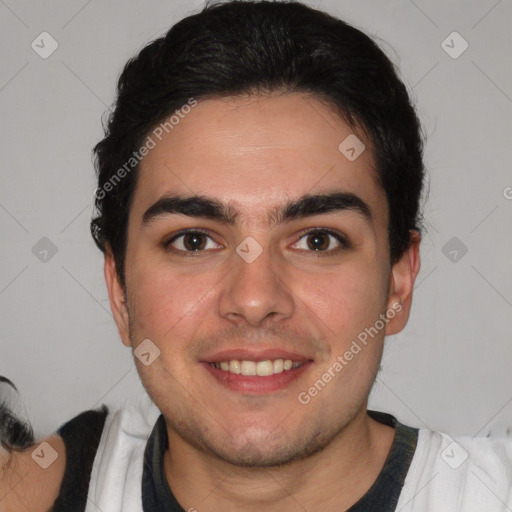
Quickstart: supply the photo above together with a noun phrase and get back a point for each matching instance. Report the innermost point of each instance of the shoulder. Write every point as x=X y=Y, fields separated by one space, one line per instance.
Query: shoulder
x=467 y=473
x=116 y=475
x=52 y=473
x=465 y=455
x=30 y=472
x=94 y=447
x=82 y=433
x=126 y=431
x=81 y=436
x=30 y=478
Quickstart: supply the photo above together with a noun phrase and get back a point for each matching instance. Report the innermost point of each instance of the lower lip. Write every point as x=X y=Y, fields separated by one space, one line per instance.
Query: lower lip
x=254 y=384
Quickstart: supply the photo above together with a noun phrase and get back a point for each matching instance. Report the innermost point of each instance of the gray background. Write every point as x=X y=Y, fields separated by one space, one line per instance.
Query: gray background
x=449 y=370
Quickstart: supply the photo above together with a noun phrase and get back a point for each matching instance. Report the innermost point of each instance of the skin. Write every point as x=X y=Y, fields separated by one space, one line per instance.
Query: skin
x=231 y=450
x=24 y=485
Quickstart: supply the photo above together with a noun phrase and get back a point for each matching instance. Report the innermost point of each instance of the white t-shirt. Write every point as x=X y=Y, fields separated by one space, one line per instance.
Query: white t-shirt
x=460 y=474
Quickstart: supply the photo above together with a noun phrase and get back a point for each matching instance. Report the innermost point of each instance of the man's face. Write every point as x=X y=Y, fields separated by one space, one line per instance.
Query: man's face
x=307 y=297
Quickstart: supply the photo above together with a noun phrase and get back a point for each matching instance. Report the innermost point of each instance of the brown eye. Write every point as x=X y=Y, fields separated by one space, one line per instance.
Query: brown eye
x=318 y=241
x=194 y=241
x=321 y=240
x=189 y=242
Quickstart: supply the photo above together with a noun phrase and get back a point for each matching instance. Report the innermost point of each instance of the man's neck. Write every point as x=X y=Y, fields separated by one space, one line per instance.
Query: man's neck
x=333 y=479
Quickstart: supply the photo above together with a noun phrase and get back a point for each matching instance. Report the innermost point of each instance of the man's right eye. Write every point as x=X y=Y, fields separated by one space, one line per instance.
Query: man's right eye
x=189 y=241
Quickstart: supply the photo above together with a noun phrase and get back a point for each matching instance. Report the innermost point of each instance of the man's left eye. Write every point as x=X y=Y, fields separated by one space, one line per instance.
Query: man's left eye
x=321 y=240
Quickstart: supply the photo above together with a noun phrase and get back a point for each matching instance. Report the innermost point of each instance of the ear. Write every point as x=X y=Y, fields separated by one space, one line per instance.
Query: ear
x=117 y=297
x=403 y=276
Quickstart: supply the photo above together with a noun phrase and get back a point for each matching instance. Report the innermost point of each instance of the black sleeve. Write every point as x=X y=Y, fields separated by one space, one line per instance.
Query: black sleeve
x=81 y=436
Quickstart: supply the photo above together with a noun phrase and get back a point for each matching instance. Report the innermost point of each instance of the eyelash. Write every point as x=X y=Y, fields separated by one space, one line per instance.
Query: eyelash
x=329 y=252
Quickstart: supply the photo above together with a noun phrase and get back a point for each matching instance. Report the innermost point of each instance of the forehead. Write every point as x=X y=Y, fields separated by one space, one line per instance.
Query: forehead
x=252 y=152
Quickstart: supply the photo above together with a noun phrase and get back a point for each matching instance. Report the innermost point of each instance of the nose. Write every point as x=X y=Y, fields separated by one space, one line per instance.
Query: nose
x=256 y=292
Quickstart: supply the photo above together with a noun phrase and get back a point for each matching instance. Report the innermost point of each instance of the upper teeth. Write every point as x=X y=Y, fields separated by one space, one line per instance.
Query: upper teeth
x=260 y=368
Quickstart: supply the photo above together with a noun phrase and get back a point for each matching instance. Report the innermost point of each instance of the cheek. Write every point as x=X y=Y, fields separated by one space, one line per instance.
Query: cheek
x=165 y=303
x=168 y=309
x=345 y=301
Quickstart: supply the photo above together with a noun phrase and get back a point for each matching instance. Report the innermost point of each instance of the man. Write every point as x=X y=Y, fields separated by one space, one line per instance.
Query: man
x=258 y=208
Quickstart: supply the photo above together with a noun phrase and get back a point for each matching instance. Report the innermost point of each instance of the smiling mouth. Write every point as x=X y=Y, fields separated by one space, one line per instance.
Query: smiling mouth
x=257 y=377
x=257 y=368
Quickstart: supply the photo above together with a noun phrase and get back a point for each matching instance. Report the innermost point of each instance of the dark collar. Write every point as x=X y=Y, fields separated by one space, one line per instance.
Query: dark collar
x=382 y=496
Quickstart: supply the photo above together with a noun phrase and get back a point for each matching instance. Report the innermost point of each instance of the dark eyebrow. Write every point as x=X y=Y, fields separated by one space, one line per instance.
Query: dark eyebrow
x=210 y=208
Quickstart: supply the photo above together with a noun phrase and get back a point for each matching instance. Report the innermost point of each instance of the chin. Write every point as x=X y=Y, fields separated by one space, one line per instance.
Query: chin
x=252 y=455
x=264 y=448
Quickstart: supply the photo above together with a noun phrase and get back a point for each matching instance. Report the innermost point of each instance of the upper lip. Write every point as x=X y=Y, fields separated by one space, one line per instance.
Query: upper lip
x=246 y=354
